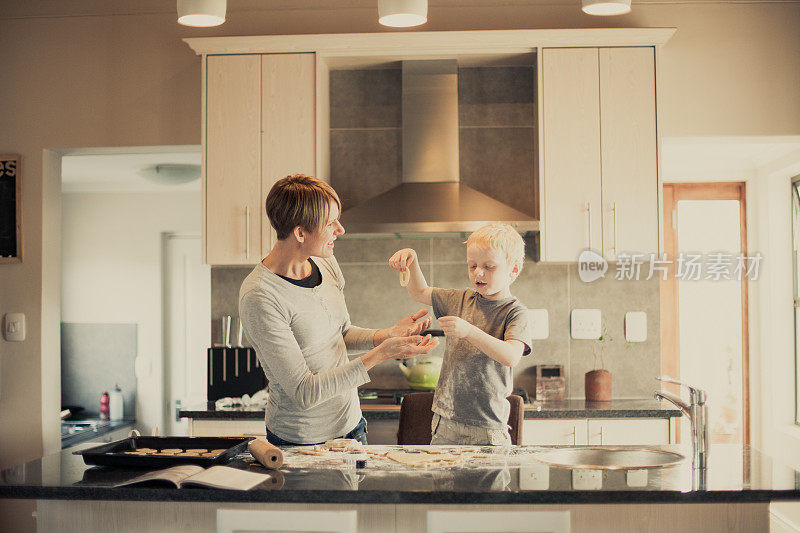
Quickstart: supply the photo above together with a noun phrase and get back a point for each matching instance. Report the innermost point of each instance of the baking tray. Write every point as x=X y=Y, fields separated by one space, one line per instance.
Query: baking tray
x=112 y=454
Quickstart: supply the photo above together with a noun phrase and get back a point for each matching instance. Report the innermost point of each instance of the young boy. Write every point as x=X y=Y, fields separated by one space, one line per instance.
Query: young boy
x=487 y=334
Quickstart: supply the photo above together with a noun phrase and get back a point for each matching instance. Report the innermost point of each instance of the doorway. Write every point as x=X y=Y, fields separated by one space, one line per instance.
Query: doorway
x=187 y=334
x=704 y=300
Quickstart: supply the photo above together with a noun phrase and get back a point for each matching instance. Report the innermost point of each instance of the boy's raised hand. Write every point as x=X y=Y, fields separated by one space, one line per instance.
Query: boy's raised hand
x=402 y=259
x=455 y=326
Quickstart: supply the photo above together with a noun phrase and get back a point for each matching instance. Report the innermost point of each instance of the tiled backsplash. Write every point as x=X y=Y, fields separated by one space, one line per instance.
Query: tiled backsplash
x=376 y=299
x=95 y=357
x=497 y=133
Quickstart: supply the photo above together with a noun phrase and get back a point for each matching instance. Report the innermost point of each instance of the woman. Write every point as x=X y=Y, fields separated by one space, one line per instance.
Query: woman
x=293 y=311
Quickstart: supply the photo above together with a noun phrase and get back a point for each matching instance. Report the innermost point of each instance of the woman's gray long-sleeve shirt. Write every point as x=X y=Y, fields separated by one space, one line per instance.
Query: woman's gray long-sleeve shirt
x=301 y=337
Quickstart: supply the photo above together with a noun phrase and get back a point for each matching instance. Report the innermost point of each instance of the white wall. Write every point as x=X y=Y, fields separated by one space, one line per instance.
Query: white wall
x=772 y=347
x=103 y=73
x=111 y=271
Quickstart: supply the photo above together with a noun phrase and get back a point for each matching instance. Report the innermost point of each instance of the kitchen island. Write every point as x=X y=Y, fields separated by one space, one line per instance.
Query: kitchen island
x=732 y=494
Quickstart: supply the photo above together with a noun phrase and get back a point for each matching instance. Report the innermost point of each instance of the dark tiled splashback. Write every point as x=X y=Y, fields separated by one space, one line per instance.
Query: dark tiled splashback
x=497 y=133
x=375 y=299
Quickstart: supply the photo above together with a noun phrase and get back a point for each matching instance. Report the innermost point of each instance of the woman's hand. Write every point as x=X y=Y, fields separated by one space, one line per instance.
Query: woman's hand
x=402 y=259
x=455 y=327
x=408 y=325
x=406 y=347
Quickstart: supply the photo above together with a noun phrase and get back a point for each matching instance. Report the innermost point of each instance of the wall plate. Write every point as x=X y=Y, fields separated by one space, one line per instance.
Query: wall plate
x=583 y=479
x=14 y=327
x=586 y=324
x=540 y=323
x=635 y=326
x=534 y=477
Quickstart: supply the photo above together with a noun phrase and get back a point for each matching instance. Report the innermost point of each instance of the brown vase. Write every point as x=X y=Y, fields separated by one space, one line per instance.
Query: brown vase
x=598 y=386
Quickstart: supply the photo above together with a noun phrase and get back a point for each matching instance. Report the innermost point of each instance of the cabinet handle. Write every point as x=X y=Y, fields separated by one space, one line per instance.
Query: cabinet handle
x=247 y=226
x=588 y=211
x=574 y=432
x=601 y=435
x=614 y=248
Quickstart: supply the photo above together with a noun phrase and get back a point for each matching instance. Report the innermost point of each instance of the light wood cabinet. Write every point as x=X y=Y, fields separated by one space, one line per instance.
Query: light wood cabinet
x=572 y=178
x=629 y=431
x=233 y=158
x=600 y=165
x=628 y=150
x=259 y=127
x=606 y=431
x=554 y=432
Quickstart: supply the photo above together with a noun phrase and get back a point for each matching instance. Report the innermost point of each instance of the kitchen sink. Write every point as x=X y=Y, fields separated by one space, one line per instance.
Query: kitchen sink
x=608 y=458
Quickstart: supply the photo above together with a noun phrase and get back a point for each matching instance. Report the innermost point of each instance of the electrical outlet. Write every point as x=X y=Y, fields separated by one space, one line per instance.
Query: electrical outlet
x=534 y=477
x=583 y=479
x=540 y=323
x=635 y=326
x=586 y=323
x=636 y=478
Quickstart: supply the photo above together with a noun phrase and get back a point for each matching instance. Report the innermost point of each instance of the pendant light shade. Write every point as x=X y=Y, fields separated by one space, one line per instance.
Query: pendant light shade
x=402 y=13
x=606 y=7
x=201 y=13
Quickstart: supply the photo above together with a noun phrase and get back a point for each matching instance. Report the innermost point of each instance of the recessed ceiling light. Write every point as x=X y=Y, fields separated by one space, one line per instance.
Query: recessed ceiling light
x=402 y=13
x=201 y=13
x=606 y=7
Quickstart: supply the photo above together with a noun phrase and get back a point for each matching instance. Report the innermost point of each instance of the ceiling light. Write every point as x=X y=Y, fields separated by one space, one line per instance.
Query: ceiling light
x=606 y=7
x=202 y=13
x=171 y=173
x=402 y=13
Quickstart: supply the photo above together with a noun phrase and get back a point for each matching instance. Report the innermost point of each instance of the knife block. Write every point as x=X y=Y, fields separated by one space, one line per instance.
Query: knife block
x=233 y=372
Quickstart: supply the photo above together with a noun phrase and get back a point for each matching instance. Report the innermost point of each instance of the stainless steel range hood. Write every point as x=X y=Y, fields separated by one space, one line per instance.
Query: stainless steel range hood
x=430 y=197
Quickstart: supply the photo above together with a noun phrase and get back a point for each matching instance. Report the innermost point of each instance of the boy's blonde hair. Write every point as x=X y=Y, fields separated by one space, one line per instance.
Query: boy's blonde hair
x=500 y=237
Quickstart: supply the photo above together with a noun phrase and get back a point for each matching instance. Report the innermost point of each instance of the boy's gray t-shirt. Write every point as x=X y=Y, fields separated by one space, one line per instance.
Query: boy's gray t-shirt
x=472 y=386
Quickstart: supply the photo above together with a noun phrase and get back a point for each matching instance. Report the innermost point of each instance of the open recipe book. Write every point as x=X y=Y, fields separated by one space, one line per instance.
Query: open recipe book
x=218 y=477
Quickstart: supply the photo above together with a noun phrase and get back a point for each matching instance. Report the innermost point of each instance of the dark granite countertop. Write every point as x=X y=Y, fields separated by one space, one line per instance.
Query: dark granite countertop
x=100 y=427
x=735 y=474
x=383 y=410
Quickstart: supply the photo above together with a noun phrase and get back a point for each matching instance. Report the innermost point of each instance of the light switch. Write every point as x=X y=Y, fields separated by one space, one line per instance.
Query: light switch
x=14 y=327
x=586 y=324
x=635 y=326
x=540 y=323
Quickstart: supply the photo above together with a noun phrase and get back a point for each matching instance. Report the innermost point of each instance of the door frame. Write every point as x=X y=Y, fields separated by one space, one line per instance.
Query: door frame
x=670 y=336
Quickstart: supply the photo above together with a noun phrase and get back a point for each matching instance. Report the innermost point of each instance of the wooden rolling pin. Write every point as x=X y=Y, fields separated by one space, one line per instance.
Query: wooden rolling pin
x=265 y=453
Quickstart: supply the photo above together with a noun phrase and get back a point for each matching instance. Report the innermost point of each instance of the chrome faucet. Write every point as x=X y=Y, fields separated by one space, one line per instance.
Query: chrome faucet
x=697 y=411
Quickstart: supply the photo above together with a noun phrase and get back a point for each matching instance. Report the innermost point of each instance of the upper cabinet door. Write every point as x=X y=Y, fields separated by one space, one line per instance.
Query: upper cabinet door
x=571 y=123
x=628 y=135
x=233 y=160
x=288 y=120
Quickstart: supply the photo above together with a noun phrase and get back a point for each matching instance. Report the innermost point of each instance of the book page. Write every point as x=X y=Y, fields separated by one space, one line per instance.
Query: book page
x=225 y=477
x=174 y=475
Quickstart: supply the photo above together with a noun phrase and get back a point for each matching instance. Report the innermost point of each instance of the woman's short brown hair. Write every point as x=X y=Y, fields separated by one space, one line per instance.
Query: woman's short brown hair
x=299 y=200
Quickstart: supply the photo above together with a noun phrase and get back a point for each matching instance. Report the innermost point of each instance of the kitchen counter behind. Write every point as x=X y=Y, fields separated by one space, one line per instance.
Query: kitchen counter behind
x=381 y=410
